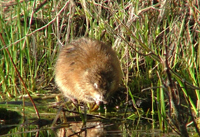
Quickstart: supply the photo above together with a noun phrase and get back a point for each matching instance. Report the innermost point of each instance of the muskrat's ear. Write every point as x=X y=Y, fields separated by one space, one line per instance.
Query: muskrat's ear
x=96 y=85
x=69 y=48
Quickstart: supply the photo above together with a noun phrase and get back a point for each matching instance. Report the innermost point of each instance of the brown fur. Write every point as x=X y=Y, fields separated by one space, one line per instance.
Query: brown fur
x=88 y=70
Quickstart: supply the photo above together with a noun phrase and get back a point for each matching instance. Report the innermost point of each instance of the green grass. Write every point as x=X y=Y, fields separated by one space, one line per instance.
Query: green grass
x=158 y=46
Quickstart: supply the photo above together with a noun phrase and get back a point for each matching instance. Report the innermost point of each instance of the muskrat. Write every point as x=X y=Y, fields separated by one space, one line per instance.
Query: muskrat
x=88 y=70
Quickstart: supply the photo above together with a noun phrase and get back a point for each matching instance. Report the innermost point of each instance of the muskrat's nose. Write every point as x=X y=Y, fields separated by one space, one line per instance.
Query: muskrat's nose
x=99 y=98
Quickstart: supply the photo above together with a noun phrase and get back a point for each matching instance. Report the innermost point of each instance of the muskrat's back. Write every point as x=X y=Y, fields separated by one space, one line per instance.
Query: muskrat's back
x=87 y=70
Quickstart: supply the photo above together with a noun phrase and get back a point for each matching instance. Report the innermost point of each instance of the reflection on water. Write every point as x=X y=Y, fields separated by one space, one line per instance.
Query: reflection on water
x=92 y=129
x=8 y=120
x=111 y=125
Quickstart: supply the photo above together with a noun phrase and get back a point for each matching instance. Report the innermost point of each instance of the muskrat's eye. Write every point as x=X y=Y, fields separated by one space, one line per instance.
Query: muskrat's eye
x=96 y=85
x=110 y=85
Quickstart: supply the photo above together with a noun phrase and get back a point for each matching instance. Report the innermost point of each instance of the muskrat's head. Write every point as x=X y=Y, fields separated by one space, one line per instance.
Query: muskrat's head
x=100 y=84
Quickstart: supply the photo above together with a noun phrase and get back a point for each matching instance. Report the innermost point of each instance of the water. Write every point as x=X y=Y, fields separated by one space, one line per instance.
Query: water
x=55 y=122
